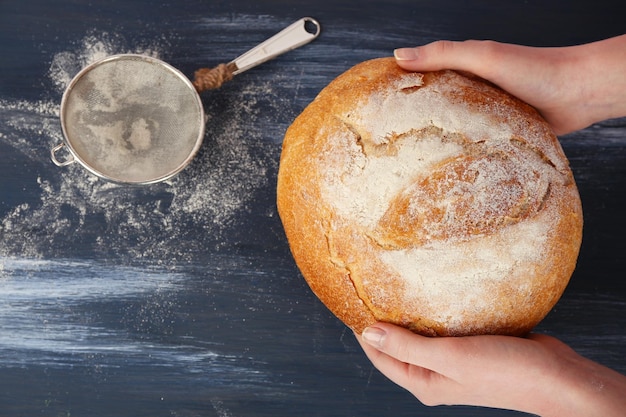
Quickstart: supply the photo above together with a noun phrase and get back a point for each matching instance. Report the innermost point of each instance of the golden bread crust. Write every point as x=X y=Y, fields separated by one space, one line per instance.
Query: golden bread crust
x=434 y=201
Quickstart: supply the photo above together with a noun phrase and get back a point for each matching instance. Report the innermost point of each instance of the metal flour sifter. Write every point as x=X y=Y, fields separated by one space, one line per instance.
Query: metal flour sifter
x=134 y=119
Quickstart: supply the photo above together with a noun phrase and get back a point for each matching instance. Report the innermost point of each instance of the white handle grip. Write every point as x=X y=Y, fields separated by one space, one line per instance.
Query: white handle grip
x=292 y=37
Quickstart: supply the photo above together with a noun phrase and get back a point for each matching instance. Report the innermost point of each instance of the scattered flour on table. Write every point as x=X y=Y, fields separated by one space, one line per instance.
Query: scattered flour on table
x=173 y=220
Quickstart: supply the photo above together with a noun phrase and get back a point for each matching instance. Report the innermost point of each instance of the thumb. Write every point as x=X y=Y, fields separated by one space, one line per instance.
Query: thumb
x=402 y=344
x=438 y=55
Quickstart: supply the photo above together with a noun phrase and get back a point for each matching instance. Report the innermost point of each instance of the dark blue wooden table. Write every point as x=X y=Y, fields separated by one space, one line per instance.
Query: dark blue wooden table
x=181 y=298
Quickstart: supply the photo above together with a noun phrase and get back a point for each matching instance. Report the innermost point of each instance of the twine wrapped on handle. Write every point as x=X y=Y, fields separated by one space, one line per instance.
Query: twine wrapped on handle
x=213 y=78
x=293 y=36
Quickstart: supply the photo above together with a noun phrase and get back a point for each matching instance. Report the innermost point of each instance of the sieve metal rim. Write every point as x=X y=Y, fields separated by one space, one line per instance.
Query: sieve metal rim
x=75 y=155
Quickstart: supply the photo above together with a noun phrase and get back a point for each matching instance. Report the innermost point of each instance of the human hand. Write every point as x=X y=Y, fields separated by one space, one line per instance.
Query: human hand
x=537 y=374
x=572 y=87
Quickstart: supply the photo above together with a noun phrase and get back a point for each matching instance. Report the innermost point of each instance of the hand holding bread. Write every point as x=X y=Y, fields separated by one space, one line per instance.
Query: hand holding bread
x=571 y=87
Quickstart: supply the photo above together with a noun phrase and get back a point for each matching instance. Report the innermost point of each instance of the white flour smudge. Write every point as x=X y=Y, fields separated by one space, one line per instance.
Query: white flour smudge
x=173 y=220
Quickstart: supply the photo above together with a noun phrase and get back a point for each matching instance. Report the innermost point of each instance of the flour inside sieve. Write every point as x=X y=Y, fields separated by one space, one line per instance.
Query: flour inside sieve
x=132 y=119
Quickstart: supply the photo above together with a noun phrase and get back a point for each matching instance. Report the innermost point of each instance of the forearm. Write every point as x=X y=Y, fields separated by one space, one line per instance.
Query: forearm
x=582 y=388
x=604 y=70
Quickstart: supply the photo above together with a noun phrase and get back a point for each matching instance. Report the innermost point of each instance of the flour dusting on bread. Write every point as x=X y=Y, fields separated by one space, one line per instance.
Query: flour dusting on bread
x=444 y=204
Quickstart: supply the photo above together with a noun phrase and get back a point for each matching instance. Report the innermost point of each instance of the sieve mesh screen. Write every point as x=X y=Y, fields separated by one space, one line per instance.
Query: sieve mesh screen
x=132 y=118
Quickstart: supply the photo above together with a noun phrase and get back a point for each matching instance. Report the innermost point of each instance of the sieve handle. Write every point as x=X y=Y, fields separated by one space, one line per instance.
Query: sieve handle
x=292 y=37
x=69 y=160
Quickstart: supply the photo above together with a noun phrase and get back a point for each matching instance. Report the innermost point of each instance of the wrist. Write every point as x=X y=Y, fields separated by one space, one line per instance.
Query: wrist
x=603 y=66
x=583 y=388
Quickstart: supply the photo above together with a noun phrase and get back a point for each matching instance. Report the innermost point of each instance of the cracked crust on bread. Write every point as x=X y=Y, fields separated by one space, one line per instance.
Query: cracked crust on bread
x=434 y=201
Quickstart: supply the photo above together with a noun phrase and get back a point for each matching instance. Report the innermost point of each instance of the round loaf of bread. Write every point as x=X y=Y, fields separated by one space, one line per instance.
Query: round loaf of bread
x=434 y=201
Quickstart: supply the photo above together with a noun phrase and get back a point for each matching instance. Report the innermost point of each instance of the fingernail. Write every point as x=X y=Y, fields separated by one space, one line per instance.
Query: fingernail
x=405 y=54
x=374 y=336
